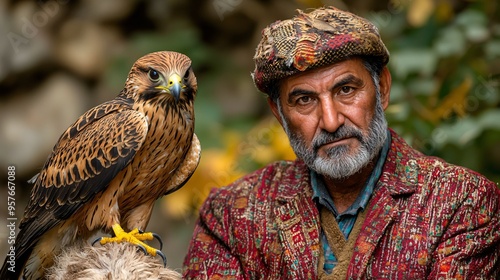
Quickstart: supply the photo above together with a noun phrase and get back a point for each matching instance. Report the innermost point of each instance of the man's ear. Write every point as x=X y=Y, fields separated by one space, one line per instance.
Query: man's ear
x=274 y=109
x=385 y=87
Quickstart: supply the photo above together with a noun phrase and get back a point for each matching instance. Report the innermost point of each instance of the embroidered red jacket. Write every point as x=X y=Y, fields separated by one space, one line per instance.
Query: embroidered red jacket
x=427 y=219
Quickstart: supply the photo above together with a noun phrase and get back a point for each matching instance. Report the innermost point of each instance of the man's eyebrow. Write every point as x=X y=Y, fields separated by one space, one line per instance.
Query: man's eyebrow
x=349 y=79
x=299 y=91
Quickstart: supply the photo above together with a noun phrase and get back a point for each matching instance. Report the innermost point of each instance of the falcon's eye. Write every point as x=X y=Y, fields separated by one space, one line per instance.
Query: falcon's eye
x=186 y=75
x=154 y=76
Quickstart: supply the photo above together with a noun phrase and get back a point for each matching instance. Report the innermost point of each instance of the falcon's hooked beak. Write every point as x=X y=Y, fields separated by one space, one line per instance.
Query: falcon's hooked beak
x=174 y=86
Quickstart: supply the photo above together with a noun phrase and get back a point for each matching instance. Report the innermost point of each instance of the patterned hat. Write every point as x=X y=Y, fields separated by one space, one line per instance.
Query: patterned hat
x=307 y=41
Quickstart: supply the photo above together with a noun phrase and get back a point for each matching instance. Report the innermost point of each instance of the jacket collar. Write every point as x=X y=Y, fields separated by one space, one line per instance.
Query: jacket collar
x=401 y=169
x=295 y=180
x=399 y=179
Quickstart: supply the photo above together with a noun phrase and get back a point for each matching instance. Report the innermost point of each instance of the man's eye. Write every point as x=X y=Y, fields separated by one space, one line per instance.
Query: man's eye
x=304 y=100
x=346 y=90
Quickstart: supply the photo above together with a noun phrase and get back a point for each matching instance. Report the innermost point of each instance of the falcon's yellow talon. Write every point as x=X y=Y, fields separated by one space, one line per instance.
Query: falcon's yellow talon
x=134 y=237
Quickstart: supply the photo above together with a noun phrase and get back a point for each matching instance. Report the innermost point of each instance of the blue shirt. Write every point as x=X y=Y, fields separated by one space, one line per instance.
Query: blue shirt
x=346 y=219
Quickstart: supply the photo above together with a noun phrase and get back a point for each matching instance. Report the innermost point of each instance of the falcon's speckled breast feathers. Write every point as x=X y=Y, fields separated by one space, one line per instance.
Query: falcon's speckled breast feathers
x=108 y=168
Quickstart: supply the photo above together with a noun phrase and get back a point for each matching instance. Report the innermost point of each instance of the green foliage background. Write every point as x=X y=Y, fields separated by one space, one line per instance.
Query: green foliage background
x=445 y=92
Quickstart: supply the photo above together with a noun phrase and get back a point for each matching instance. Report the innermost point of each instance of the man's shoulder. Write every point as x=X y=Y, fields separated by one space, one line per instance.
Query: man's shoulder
x=428 y=172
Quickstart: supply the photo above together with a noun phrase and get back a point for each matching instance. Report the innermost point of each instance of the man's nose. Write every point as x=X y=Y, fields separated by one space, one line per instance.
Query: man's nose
x=331 y=117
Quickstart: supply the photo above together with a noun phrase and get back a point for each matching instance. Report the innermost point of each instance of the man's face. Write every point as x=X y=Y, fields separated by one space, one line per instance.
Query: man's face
x=334 y=116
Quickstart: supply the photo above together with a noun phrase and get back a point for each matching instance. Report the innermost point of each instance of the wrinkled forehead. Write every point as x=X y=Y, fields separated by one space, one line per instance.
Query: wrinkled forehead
x=329 y=74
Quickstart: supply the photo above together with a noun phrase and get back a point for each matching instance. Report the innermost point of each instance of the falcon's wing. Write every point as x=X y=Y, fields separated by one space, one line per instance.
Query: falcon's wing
x=86 y=158
x=187 y=168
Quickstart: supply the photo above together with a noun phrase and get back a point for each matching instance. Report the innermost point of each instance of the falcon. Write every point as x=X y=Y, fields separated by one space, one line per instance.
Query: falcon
x=107 y=169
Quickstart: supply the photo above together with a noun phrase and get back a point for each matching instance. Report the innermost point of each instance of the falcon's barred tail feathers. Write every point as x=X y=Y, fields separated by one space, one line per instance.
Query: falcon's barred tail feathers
x=108 y=168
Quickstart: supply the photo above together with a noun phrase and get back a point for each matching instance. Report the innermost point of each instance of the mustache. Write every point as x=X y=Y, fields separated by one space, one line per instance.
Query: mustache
x=342 y=132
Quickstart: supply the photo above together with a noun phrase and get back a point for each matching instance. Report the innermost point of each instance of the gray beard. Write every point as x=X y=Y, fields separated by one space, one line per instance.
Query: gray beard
x=338 y=163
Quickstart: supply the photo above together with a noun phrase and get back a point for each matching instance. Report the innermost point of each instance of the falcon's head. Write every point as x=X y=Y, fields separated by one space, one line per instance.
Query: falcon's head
x=162 y=77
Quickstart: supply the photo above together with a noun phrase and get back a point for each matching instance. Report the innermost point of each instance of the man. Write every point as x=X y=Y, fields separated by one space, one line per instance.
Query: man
x=358 y=203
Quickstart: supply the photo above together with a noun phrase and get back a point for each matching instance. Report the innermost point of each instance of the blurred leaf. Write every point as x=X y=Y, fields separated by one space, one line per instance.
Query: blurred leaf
x=397 y=92
x=476 y=33
x=471 y=17
x=422 y=86
x=455 y=102
x=459 y=133
x=490 y=119
x=469 y=128
x=492 y=49
x=420 y=61
x=398 y=112
x=450 y=42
